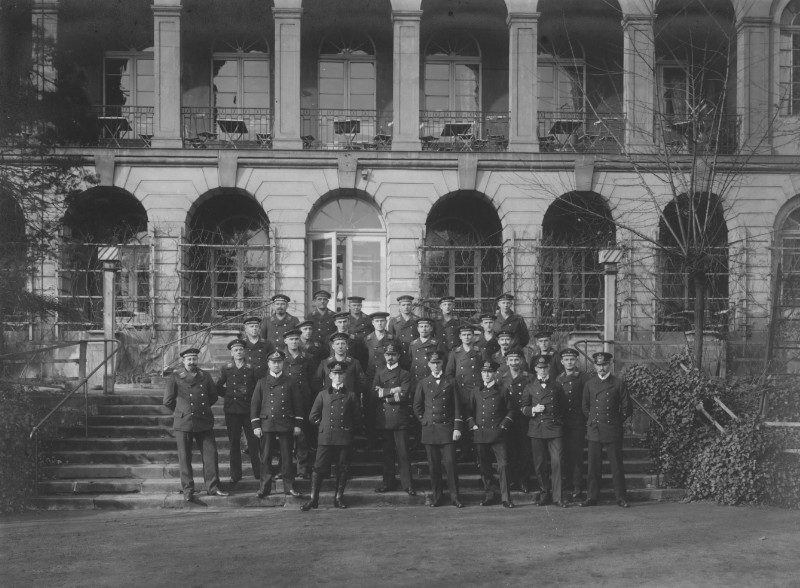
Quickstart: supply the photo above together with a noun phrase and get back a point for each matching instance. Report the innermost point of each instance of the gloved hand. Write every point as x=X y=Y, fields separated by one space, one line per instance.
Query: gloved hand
x=297 y=431
x=456 y=435
x=257 y=432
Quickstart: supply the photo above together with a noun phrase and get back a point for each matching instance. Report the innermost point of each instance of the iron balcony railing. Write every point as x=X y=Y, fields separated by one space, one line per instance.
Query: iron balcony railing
x=364 y=129
x=581 y=132
x=226 y=128
x=463 y=130
x=699 y=133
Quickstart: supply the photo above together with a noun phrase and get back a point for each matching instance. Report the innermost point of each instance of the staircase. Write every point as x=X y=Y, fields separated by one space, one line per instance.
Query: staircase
x=129 y=461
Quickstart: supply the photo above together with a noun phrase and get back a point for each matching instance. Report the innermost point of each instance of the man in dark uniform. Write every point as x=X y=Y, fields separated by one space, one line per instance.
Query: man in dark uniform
x=278 y=322
x=393 y=419
x=300 y=369
x=355 y=344
x=507 y=320
x=359 y=321
x=543 y=347
x=276 y=415
x=543 y=402
x=317 y=350
x=419 y=349
x=465 y=363
x=322 y=316
x=403 y=327
x=256 y=350
x=236 y=383
x=487 y=341
x=489 y=418
x=504 y=339
x=519 y=447
x=437 y=407
x=190 y=394
x=606 y=405
x=335 y=412
x=572 y=381
x=375 y=343
x=446 y=328
x=354 y=377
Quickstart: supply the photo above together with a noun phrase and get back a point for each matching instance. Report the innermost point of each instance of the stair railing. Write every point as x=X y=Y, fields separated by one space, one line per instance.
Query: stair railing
x=83 y=383
x=659 y=428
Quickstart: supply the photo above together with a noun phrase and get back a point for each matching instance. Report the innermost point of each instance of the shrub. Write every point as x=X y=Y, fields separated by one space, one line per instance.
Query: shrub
x=17 y=414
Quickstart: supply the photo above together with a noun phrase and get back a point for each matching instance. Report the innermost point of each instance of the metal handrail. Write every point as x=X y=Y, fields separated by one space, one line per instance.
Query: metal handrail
x=83 y=383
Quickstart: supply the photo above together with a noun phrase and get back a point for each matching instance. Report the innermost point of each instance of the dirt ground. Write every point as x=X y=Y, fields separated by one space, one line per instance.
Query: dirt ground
x=650 y=544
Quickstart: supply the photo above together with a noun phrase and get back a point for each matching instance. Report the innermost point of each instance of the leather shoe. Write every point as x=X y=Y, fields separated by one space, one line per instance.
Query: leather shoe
x=218 y=492
x=262 y=494
x=525 y=489
x=487 y=501
x=383 y=488
x=293 y=492
x=575 y=495
x=623 y=503
x=435 y=503
x=457 y=503
x=411 y=492
x=544 y=499
x=508 y=504
x=560 y=504
x=234 y=481
x=589 y=502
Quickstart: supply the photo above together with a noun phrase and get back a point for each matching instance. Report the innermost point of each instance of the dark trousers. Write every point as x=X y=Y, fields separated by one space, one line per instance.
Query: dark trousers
x=395 y=446
x=614 y=453
x=485 y=451
x=519 y=453
x=439 y=455
x=235 y=424
x=268 y=441
x=326 y=454
x=574 y=444
x=208 y=449
x=540 y=449
x=302 y=450
x=368 y=410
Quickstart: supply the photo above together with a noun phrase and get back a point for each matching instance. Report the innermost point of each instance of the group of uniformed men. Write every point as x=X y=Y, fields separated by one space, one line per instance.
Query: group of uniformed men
x=299 y=385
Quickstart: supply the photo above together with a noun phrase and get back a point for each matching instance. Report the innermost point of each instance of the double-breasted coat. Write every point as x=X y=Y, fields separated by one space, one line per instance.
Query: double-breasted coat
x=547 y=424
x=392 y=413
x=273 y=328
x=572 y=385
x=236 y=385
x=447 y=332
x=324 y=325
x=516 y=391
x=438 y=408
x=354 y=377
x=256 y=355
x=606 y=405
x=277 y=406
x=418 y=356
x=190 y=396
x=465 y=366
x=336 y=413
x=403 y=330
x=514 y=323
x=491 y=411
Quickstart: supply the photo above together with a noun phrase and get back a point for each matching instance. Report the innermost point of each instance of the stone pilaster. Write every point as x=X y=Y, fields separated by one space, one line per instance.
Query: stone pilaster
x=167 y=73
x=523 y=95
x=639 y=81
x=406 y=68
x=286 y=126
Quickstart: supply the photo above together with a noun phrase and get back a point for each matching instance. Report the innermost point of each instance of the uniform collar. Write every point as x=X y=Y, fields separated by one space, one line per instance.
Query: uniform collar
x=276 y=376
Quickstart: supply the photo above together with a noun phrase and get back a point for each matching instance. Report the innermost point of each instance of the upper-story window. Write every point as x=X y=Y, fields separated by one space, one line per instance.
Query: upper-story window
x=128 y=78
x=562 y=85
x=452 y=74
x=241 y=79
x=789 y=60
x=674 y=94
x=347 y=73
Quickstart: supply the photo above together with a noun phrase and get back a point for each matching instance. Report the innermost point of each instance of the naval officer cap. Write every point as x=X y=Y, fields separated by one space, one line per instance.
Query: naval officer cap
x=190 y=351
x=602 y=358
x=237 y=343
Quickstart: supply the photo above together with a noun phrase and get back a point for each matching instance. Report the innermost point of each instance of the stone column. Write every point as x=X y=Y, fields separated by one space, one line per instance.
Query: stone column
x=286 y=125
x=44 y=18
x=523 y=87
x=610 y=259
x=753 y=81
x=405 y=72
x=639 y=65
x=167 y=73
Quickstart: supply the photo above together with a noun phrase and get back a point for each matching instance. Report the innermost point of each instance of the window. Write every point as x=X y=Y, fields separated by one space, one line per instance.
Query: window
x=561 y=85
x=789 y=255
x=789 y=60
x=241 y=80
x=347 y=73
x=673 y=90
x=452 y=75
x=128 y=78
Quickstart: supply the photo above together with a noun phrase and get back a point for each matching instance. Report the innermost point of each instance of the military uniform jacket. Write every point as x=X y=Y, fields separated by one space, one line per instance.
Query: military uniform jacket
x=465 y=366
x=360 y=322
x=447 y=332
x=375 y=350
x=488 y=346
x=573 y=398
x=438 y=409
x=404 y=331
x=417 y=352
x=391 y=414
x=354 y=377
x=324 y=326
x=553 y=358
x=300 y=370
x=516 y=324
x=516 y=391
x=336 y=414
x=256 y=355
x=498 y=356
x=606 y=404
x=273 y=328
x=236 y=386
x=358 y=351
x=276 y=406
x=547 y=424
x=190 y=397
x=491 y=411
x=316 y=350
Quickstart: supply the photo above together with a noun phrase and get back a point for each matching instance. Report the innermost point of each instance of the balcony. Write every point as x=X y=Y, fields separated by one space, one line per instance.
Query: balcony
x=462 y=130
x=698 y=133
x=226 y=128
x=580 y=132
x=345 y=129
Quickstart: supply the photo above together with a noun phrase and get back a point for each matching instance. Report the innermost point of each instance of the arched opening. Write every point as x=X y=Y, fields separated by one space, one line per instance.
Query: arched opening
x=347 y=250
x=227 y=259
x=789 y=73
x=787 y=254
x=95 y=218
x=575 y=227
x=463 y=253
x=693 y=240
